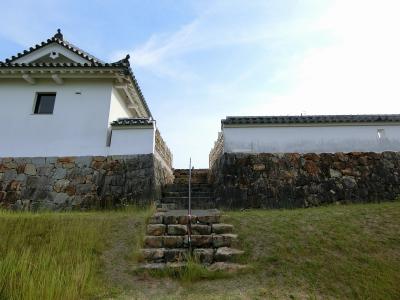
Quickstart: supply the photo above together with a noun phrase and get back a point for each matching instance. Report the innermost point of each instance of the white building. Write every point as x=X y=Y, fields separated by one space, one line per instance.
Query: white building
x=308 y=134
x=57 y=100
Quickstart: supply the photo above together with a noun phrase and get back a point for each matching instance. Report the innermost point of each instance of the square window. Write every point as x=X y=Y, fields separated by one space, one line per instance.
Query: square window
x=45 y=103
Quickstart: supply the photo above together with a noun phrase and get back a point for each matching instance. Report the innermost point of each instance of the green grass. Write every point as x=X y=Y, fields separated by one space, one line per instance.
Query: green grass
x=192 y=272
x=334 y=252
x=55 y=255
x=350 y=251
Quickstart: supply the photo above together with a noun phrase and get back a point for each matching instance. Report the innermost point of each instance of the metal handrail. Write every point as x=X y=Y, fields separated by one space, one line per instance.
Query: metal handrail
x=189 y=225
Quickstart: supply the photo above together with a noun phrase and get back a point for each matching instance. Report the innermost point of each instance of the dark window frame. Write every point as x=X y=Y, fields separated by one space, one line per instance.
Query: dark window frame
x=39 y=108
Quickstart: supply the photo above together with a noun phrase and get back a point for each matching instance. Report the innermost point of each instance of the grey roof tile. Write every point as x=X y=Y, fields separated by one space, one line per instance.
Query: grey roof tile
x=132 y=122
x=311 y=119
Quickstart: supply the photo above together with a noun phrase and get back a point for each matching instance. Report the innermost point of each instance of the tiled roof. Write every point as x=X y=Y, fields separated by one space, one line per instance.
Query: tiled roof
x=62 y=65
x=310 y=119
x=132 y=122
x=93 y=62
x=58 y=39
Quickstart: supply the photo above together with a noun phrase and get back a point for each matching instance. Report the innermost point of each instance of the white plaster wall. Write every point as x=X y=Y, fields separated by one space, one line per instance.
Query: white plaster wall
x=131 y=140
x=118 y=108
x=78 y=125
x=311 y=139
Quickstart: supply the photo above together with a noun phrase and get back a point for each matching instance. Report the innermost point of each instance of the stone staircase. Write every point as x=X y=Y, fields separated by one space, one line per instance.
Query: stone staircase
x=167 y=242
x=176 y=195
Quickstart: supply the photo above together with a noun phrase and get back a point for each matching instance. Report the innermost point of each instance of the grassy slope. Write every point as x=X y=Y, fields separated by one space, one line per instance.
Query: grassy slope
x=57 y=255
x=331 y=252
x=336 y=252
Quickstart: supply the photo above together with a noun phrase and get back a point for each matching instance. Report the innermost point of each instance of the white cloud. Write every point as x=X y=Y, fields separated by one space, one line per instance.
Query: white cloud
x=357 y=74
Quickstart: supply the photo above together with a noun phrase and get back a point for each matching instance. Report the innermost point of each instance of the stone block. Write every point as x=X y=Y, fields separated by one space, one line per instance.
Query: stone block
x=177 y=229
x=222 y=228
x=227 y=254
x=224 y=240
x=10 y=164
x=226 y=267
x=156 y=229
x=258 y=167
x=65 y=160
x=170 y=220
x=205 y=256
x=61 y=185
x=153 y=254
x=83 y=161
x=183 y=220
x=349 y=182
x=30 y=169
x=210 y=219
x=175 y=255
x=60 y=198
x=153 y=241
x=200 y=229
x=173 y=241
x=335 y=173
x=59 y=173
x=151 y=266
x=84 y=188
x=68 y=166
x=200 y=241
x=157 y=218
x=176 y=265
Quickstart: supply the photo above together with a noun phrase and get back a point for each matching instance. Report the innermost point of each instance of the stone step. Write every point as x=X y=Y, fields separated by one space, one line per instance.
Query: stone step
x=181 y=240
x=216 y=266
x=167 y=241
x=225 y=254
x=204 y=255
x=183 y=202
x=194 y=180
x=208 y=216
x=221 y=228
x=185 y=188
x=185 y=194
x=164 y=254
x=184 y=199
x=227 y=267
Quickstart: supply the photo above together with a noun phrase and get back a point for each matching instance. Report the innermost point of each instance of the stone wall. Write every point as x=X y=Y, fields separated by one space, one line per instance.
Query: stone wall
x=304 y=180
x=64 y=183
x=162 y=149
x=217 y=150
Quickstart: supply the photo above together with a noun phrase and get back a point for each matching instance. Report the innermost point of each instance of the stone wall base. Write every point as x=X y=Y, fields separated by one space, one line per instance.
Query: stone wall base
x=303 y=180
x=65 y=183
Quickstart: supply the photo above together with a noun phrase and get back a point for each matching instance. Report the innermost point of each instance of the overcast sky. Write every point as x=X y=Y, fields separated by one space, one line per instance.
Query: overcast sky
x=200 y=61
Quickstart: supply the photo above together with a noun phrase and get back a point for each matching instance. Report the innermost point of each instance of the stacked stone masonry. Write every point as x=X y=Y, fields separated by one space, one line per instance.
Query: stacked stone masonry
x=162 y=149
x=302 y=180
x=167 y=244
x=64 y=183
x=176 y=195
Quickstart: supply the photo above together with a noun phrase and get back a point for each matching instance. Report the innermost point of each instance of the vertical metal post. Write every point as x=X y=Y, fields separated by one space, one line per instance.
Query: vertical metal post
x=190 y=207
x=190 y=186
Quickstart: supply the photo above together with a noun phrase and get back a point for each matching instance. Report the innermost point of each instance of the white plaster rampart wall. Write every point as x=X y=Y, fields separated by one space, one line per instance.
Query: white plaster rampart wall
x=318 y=139
x=77 y=127
x=118 y=108
x=132 y=140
